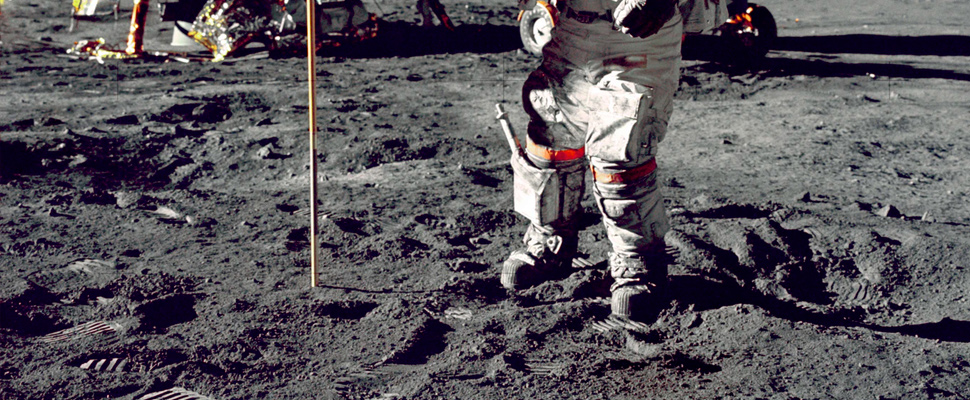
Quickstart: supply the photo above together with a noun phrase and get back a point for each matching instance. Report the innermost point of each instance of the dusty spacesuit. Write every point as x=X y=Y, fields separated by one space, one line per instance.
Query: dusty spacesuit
x=602 y=96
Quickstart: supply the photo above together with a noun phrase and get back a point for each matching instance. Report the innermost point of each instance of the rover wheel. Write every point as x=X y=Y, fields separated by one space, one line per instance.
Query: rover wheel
x=754 y=32
x=535 y=27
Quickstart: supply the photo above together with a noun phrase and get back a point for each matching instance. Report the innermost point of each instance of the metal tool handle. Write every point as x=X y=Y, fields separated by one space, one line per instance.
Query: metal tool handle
x=503 y=118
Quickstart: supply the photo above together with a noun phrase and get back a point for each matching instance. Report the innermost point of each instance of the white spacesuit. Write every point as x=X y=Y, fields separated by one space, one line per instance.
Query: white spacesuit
x=602 y=98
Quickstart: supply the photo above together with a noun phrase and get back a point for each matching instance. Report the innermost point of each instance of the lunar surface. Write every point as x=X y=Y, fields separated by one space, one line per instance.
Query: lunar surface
x=155 y=240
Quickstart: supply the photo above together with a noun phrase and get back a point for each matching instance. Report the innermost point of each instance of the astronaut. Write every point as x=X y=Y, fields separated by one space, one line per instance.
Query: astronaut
x=601 y=99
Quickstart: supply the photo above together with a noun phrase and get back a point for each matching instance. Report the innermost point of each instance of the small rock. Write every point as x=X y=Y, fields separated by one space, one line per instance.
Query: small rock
x=889 y=211
x=77 y=160
x=212 y=113
x=200 y=222
x=128 y=199
x=23 y=123
x=124 y=120
x=180 y=130
x=49 y=121
x=96 y=196
x=703 y=201
x=166 y=213
x=693 y=321
x=265 y=152
x=479 y=241
x=642 y=347
x=805 y=197
x=54 y=213
x=131 y=253
x=468 y=267
x=268 y=152
x=677 y=211
x=859 y=206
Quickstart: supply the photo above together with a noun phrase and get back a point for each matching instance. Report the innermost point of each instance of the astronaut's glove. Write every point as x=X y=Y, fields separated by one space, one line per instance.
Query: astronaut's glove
x=642 y=18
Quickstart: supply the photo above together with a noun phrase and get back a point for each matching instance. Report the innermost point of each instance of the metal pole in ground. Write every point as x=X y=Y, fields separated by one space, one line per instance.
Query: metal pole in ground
x=311 y=48
x=136 y=33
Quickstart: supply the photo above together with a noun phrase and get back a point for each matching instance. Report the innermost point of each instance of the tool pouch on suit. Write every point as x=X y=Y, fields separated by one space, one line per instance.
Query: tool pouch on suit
x=536 y=191
x=547 y=196
x=623 y=124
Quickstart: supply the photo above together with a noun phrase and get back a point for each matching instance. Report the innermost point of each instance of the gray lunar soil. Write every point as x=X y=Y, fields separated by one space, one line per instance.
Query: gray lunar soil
x=154 y=218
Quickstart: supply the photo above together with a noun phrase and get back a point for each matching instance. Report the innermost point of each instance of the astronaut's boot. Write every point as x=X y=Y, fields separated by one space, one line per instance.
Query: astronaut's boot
x=546 y=256
x=639 y=288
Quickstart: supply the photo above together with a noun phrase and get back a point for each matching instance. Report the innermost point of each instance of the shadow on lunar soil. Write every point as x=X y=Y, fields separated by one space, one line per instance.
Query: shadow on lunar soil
x=714 y=49
x=402 y=39
x=705 y=294
x=938 y=45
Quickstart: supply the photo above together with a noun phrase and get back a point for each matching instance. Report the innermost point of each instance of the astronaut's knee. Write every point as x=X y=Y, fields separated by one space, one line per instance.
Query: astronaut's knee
x=539 y=100
x=632 y=207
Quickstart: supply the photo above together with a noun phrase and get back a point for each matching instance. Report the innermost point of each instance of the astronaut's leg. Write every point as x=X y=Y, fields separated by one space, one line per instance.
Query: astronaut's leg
x=627 y=122
x=629 y=106
x=548 y=185
x=548 y=193
x=636 y=222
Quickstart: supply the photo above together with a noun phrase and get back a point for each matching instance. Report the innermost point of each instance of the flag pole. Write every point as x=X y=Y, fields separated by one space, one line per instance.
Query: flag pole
x=311 y=48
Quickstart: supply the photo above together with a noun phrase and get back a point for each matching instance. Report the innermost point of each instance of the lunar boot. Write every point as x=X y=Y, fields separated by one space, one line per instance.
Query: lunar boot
x=639 y=288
